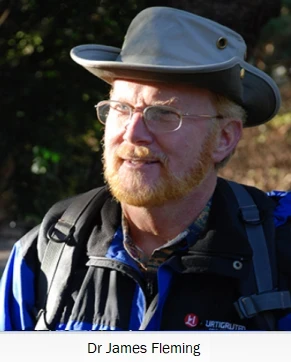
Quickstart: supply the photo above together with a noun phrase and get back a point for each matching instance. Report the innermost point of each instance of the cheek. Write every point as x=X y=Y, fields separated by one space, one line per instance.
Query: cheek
x=109 y=133
x=189 y=147
x=111 y=137
x=181 y=151
x=109 y=146
x=187 y=153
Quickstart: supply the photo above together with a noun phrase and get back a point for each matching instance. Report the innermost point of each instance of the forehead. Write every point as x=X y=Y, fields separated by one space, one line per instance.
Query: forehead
x=136 y=93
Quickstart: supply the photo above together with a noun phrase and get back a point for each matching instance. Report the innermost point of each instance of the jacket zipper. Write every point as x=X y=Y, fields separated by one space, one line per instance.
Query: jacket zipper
x=150 y=281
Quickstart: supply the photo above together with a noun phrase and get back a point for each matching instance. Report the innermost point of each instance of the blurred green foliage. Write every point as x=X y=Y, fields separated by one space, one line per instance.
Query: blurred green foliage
x=50 y=139
x=273 y=52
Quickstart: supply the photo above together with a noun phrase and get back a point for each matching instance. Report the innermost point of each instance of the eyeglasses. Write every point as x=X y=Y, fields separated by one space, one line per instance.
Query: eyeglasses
x=158 y=119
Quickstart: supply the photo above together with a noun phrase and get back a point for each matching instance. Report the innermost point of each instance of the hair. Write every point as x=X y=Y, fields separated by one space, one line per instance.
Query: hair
x=228 y=109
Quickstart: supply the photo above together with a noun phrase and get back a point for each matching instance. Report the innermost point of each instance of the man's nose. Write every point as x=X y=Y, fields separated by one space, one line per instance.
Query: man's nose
x=136 y=130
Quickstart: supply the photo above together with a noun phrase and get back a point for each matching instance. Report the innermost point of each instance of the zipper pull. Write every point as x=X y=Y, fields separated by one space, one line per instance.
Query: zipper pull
x=151 y=286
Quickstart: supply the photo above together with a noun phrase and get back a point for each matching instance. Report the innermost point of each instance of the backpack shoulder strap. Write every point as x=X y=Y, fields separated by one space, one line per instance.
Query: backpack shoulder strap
x=266 y=298
x=66 y=239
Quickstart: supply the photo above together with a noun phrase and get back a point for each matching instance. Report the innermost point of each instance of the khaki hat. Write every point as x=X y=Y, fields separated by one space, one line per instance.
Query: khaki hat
x=170 y=45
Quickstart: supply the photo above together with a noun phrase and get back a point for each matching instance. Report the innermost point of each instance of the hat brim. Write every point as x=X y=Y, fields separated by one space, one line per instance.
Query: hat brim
x=257 y=94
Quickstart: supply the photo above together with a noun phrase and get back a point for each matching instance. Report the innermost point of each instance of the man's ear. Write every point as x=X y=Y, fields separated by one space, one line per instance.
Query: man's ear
x=228 y=134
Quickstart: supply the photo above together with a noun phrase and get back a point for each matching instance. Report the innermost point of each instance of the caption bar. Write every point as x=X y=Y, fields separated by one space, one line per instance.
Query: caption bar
x=140 y=346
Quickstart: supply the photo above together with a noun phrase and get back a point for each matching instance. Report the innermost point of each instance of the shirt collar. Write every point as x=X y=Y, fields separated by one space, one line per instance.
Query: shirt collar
x=183 y=240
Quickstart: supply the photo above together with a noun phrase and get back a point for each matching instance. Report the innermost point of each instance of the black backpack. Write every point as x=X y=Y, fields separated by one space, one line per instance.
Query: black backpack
x=67 y=227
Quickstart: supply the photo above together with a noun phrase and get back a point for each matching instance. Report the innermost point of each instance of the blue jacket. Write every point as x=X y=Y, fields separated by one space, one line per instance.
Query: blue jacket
x=195 y=289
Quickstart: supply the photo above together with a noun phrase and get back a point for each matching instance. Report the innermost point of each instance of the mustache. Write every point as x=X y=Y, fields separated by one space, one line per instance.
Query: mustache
x=140 y=152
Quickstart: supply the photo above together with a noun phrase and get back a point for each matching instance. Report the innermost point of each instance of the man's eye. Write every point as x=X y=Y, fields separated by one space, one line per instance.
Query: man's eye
x=164 y=112
x=163 y=115
x=120 y=107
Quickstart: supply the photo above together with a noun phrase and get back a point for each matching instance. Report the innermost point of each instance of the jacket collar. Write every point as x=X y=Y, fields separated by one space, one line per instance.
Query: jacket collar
x=224 y=249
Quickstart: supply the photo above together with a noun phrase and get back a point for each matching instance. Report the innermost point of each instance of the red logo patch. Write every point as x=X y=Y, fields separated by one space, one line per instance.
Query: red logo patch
x=191 y=320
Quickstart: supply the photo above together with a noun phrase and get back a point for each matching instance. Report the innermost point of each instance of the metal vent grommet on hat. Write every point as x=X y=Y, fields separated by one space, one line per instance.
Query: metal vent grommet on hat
x=221 y=43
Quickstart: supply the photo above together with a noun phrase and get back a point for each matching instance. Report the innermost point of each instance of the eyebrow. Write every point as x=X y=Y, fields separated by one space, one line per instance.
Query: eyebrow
x=167 y=102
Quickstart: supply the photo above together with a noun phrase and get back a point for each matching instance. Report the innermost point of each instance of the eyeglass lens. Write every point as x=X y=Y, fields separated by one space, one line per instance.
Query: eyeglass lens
x=157 y=118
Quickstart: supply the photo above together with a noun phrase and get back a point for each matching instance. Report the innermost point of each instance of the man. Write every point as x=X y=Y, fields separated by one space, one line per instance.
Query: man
x=166 y=247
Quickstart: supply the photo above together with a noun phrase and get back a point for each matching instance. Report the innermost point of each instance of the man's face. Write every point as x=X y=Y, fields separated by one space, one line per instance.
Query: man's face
x=147 y=169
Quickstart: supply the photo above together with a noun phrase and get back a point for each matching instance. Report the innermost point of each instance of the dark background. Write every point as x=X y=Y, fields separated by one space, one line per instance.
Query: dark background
x=49 y=136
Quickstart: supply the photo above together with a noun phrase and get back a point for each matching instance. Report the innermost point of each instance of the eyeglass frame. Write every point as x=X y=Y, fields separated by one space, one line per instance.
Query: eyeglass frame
x=174 y=110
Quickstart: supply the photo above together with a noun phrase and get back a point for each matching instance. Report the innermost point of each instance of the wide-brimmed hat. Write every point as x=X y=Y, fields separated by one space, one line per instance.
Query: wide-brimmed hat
x=174 y=46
